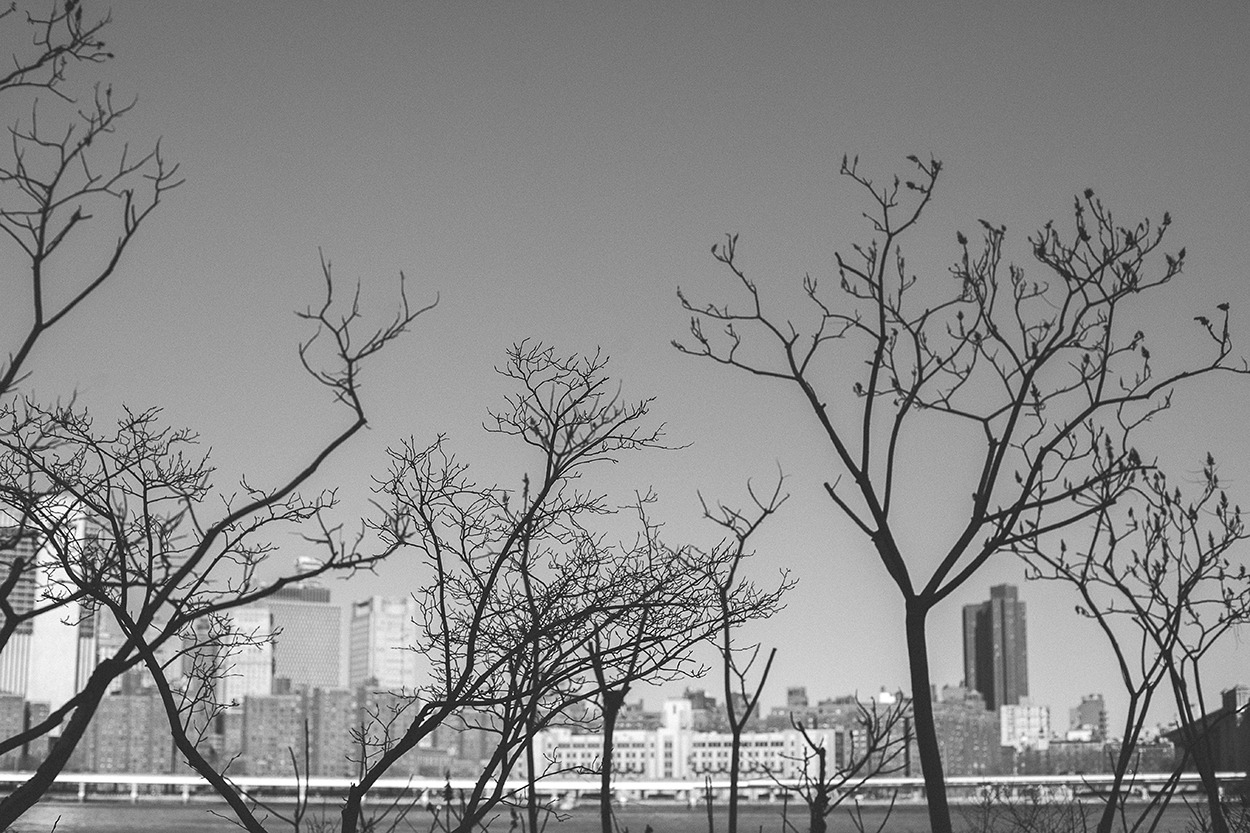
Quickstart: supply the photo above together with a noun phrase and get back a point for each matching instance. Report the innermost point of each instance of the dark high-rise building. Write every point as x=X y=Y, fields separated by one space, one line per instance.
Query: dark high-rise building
x=996 y=653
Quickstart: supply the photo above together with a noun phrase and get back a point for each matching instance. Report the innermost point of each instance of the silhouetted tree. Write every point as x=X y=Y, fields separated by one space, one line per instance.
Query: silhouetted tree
x=876 y=746
x=132 y=530
x=59 y=37
x=59 y=188
x=122 y=524
x=738 y=661
x=1037 y=370
x=517 y=587
x=1159 y=576
x=672 y=601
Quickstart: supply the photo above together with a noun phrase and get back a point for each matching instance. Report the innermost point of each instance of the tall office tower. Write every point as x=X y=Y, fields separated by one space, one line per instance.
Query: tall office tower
x=996 y=654
x=15 y=658
x=307 y=648
x=246 y=656
x=382 y=630
x=50 y=657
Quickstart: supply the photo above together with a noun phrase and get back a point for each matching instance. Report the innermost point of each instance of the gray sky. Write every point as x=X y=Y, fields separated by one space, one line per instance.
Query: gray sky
x=556 y=170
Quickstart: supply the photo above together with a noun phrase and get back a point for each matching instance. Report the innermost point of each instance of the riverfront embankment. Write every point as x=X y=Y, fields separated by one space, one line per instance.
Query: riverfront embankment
x=121 y=817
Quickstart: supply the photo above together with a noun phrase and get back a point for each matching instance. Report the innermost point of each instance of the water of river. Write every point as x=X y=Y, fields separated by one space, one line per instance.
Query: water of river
x=111 y=817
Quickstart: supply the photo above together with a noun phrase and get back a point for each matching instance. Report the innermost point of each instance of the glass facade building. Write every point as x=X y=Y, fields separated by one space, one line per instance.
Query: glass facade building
x=307 y=648
x=382 y=630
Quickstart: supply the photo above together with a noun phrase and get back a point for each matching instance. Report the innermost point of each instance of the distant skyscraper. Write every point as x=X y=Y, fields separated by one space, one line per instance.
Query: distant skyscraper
x=308 y=645
x=15 y=658
x=49 y=658
x=246 y=656
x=996 y=654
x=382 y=631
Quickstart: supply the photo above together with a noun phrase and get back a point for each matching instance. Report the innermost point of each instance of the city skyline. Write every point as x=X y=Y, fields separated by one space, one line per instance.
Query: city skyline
x=272 y=689
x=570 y=210
x=555 y=174
x=372 y=638
x=373 y=635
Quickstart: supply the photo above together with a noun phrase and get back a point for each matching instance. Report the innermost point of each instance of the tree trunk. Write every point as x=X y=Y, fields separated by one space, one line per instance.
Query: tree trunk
x=926 y=731
x=350 y=814
x=818 y=810
x=531 y=782
x=735 y=767
x=819 y=807
x=611 y=708
x=1201 y=744
x=1106 y=821
x=30 y=791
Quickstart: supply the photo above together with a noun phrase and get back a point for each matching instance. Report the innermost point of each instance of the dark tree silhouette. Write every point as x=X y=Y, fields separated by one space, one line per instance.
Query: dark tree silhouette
x=59 y=38
x=121 y=523
x=1160 y=576
x=132 y=530
x=876 y=746
x=518 y=589
x=1037 y=371
x=738 y=661
x=673 y=601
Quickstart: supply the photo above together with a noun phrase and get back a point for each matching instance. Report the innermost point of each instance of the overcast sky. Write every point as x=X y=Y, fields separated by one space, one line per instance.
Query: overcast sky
x=555 y=171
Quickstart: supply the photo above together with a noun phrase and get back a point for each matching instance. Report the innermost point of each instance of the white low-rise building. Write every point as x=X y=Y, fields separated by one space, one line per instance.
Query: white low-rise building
x=676 y=751
x=1024 y=726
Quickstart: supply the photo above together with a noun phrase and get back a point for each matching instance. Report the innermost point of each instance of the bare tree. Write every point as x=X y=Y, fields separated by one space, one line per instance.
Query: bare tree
x=738 y=662
x=517 y=588
x=118 y=523
x=58 y=184
x=1159 y=576
x=875 y=746
x=1037 y=371
x=1028 y=811
x=659 y=644
x=59 y=187
x=674 y=599
x=58 y=38
x=133 y=530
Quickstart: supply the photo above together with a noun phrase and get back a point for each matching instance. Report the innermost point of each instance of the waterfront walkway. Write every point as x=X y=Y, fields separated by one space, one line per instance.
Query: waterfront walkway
x=85 y=785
